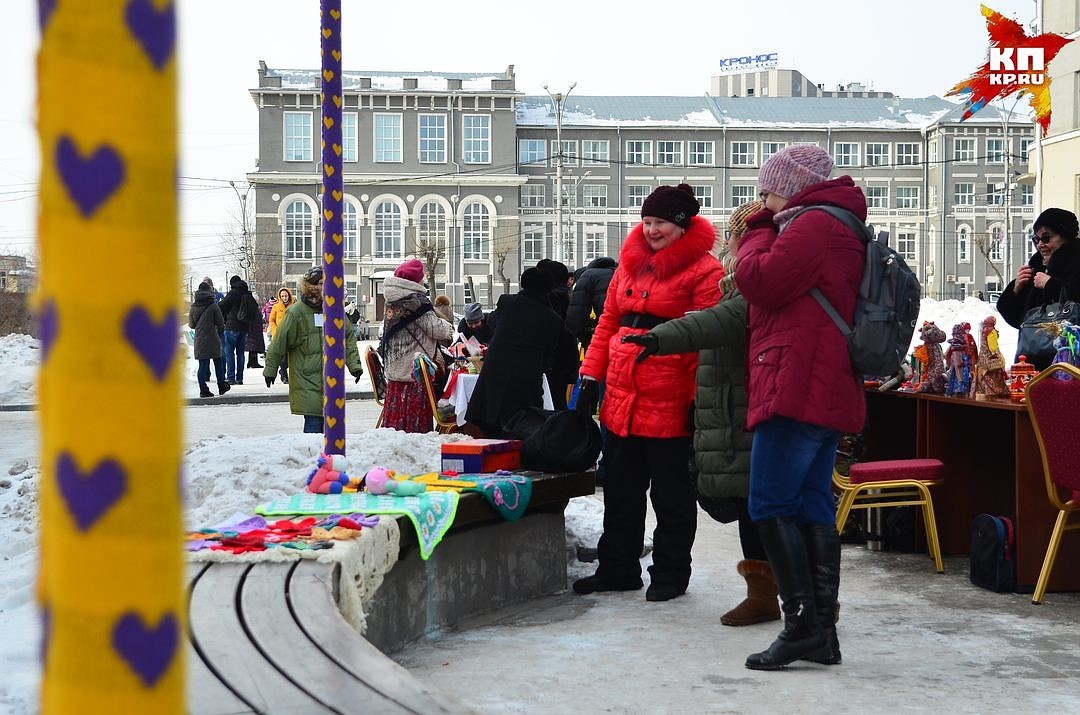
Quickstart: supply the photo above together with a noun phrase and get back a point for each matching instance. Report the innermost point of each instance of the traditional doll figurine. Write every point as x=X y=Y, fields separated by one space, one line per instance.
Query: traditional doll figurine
x=1067 y=343
x=929 y=355
x=991 y=365
x=960 y=362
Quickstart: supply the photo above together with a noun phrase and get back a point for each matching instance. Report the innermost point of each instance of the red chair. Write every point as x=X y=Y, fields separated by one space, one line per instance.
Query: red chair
x=1053 y=401
x=898 y=482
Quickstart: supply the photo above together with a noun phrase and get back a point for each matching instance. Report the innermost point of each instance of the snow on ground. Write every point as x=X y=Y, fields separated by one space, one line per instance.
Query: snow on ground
x=18 y=365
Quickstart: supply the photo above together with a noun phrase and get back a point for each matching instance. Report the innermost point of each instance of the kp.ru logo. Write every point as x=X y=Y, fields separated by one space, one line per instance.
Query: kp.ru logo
x=1005 y=70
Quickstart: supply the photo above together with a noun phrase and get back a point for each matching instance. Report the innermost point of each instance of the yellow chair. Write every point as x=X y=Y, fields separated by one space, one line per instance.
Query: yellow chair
x=441 y=425
x=1053 y=401
x=378 y=379
x=901 y=482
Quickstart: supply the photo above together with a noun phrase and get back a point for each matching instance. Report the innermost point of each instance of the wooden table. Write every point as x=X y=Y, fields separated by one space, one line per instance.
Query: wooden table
x=992 y=464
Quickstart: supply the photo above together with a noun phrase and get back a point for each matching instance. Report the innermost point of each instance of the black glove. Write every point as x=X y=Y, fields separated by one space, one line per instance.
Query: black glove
x=269 y=379
x=358 y=374
x=650 y=344
x=588 y=397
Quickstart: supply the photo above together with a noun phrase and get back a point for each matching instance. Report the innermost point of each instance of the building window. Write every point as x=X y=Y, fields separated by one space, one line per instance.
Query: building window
x=743 y=194
x=532 y=196
x=877 y=197
x=995 y=151
x=908 y=153
x=1027 y=195
x=933 y=152
x=532 y=151
x=388 y=138
x=476 y=139
x=636 y=195
x=964 y=194
x=299 y=230
x=846 y=154
x=595 y=151
x=743 y=153
x=431 y=225
x=638 y=152
x=595 y=242
x=669 y=153
x=877 y=153
x=700 y=153
x=770 y=148
x=569 y=151
x=349 y=133
x=907 y=197
x=388 y=230
x=349 y=229
x=298 y=136
x=532 y=242
x=963 y=245
x=594 y=196
x=1025 y=146
x=475 y=232
x=431 y=138
x=996 y=241
x=994 y=195
x=905 y=244
x=704 y=195
x=964 y=150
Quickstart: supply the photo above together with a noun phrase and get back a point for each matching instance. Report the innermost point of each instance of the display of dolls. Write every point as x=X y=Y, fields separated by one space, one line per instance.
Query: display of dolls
x=931 y=377
x=990 y=375
x=960 y=359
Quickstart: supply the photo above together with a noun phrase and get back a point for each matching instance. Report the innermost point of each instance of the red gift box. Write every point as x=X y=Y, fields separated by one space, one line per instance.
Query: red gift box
x=479 y=456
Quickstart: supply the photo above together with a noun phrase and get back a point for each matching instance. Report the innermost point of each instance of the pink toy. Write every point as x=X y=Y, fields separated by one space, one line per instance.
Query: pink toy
x=380 y=480
x=329 y=476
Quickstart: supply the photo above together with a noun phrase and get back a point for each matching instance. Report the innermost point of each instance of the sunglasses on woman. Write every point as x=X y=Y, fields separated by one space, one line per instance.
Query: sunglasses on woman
x=1038 y=238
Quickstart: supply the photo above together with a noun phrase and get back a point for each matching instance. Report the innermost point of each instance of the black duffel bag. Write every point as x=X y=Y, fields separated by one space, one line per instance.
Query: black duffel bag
x=563 y=441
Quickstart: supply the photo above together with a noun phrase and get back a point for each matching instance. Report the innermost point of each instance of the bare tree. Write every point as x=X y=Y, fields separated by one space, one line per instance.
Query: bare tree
x=986 y=245
x=431 y=252
x=502 y=245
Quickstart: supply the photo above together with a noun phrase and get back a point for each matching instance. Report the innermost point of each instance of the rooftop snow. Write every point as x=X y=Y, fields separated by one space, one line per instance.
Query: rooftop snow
x=427 y=81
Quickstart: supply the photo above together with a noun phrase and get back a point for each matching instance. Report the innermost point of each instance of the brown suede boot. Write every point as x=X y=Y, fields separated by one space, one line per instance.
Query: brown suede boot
x=760 y=603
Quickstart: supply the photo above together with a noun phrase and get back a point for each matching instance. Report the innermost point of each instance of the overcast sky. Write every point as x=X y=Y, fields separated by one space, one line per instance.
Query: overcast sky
x=913 y=48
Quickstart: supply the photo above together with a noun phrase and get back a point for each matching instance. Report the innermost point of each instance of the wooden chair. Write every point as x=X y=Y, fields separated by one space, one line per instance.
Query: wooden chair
x=1053 y=401
x=901 y=482
x=378 y=379
x=444 y=426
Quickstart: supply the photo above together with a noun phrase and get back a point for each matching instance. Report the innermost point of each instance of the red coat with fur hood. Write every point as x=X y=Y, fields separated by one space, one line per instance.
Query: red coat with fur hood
x=652 y=398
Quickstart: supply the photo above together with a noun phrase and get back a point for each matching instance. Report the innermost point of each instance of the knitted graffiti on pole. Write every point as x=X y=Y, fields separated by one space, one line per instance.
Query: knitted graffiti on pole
x=110 y=584
x=332 y=198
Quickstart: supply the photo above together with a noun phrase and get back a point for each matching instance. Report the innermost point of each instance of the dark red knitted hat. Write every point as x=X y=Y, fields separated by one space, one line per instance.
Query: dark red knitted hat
x=672 y=203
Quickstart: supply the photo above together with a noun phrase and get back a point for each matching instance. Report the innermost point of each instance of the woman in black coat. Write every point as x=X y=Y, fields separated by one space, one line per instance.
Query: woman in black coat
x=1052 y=274
x=526 y=333
x=206 y=319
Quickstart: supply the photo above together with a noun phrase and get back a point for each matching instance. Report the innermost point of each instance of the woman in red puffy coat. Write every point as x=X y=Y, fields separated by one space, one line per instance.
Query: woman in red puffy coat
x=666 y=269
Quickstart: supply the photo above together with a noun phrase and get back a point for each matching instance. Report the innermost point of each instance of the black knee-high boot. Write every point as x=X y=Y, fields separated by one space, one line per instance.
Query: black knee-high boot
x=823 y=548
x=802 y=634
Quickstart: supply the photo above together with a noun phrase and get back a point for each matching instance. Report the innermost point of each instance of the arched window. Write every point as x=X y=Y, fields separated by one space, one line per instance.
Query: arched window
x=963 y=245
x=348 y=220
x=299 y=230
x=431 y=225
x=997 y=240
x=389 y=236
x=475 y=232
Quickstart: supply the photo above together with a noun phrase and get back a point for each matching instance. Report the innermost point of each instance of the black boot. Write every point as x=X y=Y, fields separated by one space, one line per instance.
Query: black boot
x=223 y=386
x=802 y=634
x=823 y=548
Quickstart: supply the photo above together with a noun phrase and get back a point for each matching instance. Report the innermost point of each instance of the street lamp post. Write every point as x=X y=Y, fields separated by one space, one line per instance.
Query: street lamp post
x=557 y=100
x=246 y=259
x=571 y=242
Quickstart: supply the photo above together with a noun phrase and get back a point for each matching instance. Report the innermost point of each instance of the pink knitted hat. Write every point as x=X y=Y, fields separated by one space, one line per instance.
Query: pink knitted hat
x=411 y=270
x=793 y=168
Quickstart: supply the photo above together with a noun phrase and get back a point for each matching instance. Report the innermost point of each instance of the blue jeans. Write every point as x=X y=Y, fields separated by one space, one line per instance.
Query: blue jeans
x=791 y=467
x=234 y=355
x=203 y=373
x=313 y=424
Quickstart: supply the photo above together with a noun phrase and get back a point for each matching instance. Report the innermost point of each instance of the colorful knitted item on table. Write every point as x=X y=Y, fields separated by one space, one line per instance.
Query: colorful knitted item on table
x=508 y=493
x=960 y=362
x=990 y=372
x=932 y=361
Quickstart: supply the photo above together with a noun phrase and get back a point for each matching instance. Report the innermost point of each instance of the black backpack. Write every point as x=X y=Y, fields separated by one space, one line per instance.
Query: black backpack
x=888 y=303
x=993 y=561
x=563 y=441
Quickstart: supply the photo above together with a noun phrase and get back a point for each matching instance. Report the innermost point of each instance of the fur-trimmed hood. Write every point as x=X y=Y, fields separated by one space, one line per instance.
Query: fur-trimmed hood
x=636 y=256
x=395 y=288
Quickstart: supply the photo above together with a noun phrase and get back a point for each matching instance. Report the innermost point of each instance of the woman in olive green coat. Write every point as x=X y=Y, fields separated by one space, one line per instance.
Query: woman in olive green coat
x=721 y=444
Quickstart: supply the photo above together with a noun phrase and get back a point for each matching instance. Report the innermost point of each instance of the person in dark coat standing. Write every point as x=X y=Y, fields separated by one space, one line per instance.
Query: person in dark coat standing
x=255 y=344
x=206 y=320
x=803 y=390
x=520 y=352
x=236 y=329
x=1051 y=274
x=587 y=298
x=566 y=360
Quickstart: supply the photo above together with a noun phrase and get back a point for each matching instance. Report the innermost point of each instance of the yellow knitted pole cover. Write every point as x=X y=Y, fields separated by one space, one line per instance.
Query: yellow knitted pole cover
x=110 y=584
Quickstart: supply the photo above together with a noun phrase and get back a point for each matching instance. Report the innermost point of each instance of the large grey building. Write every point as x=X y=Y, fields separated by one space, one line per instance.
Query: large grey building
x=467 y=161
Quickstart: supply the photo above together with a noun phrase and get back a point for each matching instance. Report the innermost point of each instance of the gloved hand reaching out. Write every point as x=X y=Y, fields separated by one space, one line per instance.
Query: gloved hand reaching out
x=650 y=344
x=269 y=379
x=588 y=396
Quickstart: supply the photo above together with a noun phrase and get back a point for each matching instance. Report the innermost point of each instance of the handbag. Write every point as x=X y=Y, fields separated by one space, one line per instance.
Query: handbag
x=1036 y=343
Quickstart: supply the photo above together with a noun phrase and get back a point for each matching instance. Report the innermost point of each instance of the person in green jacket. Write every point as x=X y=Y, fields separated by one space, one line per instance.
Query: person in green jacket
x=299 y=335
x=721 y=445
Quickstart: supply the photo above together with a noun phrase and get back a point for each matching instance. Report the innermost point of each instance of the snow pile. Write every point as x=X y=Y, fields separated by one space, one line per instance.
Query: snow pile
x=19 y=357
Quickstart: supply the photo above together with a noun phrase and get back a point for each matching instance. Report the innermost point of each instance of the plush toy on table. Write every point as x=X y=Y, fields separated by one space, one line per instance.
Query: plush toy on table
x=329 y=476
x=990 y=374
x=380 y=480
x=931 y=360
x=960 y=361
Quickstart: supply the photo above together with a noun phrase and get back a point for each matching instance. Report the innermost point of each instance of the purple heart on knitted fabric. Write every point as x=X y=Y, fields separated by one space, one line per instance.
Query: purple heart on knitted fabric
x=149 y=651
x=46 y=633
x=154 y=341
x=48 y=327
x=45 y=11
x=89 y=495
x=92 y=180
x=154 y=29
